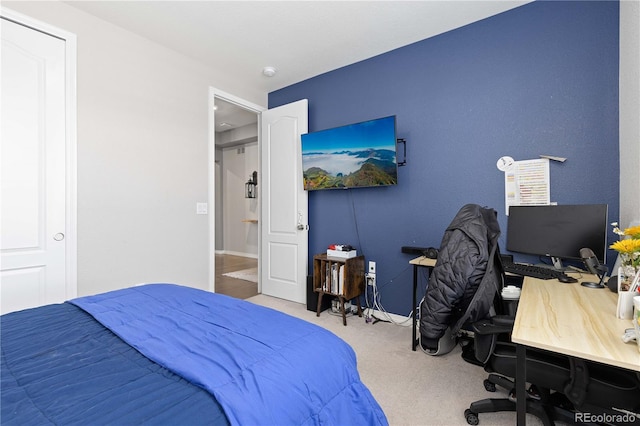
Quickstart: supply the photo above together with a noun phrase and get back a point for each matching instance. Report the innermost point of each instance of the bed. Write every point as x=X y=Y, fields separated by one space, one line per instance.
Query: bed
x=168 y=354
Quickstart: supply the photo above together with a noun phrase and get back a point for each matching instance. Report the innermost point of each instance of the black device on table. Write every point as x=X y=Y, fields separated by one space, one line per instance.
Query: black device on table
x=558 y=232
x=537 y=272
x=594 y=266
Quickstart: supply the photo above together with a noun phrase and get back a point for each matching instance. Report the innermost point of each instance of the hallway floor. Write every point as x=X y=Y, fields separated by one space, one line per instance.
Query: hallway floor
x=240 y=289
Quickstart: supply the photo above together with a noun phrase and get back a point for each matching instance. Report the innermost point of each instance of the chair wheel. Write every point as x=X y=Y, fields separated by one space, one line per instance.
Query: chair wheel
x=471 y=417
x=489 y=386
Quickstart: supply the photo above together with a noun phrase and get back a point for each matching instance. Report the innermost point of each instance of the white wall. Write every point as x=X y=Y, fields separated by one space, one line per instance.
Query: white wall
x=629 y=112
x=142 y=154
x=219 y=225
x=238 y=163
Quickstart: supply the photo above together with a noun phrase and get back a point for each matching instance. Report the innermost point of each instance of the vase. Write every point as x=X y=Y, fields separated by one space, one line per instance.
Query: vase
x=626 y=275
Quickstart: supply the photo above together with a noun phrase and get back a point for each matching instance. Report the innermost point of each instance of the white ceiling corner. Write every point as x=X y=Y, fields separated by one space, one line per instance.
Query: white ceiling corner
x=301 y=39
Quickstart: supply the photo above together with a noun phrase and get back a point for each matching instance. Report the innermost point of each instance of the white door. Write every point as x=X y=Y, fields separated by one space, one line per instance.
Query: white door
x=33 y=164
x=284 y=230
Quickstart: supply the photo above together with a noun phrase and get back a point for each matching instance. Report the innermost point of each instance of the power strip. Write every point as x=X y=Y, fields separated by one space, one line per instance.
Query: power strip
x=385 y=316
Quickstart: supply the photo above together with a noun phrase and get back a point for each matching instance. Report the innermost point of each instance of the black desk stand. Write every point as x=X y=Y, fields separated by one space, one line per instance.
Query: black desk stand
x=418 y=263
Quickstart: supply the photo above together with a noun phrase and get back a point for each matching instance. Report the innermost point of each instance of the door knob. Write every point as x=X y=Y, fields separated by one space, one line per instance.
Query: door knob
x=301 y=226
x=59 y=236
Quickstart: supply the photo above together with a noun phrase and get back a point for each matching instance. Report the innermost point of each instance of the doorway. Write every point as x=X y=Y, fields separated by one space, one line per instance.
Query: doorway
x=235 y=134
x=282 y=206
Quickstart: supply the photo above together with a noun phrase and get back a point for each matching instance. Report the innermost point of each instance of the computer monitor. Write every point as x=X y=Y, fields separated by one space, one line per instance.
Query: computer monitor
x=558 y=232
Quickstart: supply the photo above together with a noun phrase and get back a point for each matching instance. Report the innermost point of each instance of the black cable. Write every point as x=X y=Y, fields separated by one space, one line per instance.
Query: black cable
x=355 y=220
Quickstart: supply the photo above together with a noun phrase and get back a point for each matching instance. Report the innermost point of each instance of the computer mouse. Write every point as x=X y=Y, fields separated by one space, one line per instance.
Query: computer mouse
x=567 y=279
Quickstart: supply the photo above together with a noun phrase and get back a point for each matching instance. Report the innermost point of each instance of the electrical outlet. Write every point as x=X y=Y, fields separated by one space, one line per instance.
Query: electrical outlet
x=371 y=280
x=372 y=267
x=201 y=208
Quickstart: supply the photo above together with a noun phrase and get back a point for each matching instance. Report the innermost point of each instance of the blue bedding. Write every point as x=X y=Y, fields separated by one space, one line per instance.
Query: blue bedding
x=261 y=366
x=60 y=366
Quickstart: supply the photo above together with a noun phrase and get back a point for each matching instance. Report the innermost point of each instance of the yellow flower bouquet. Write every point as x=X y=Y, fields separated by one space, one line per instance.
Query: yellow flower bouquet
x=628 y=248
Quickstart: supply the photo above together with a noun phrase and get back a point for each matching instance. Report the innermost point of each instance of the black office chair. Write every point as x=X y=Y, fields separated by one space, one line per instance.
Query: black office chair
x=466 y=280
x=562 y=388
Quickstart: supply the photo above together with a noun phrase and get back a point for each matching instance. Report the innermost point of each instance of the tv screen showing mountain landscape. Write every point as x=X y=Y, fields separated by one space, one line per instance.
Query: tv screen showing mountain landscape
x=356 y=155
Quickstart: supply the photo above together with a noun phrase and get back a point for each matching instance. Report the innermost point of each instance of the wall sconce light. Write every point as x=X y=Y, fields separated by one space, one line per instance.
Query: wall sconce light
x=250 y=186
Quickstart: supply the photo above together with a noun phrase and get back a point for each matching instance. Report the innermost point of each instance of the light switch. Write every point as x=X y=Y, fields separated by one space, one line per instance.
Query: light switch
x=201 y=208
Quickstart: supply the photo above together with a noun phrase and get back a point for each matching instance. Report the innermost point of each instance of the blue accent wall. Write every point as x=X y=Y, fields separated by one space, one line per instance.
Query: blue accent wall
x=538 y=79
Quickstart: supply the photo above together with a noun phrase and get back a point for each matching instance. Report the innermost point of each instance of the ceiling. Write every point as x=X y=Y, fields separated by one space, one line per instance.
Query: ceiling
x=300 y=39
x=230 y=116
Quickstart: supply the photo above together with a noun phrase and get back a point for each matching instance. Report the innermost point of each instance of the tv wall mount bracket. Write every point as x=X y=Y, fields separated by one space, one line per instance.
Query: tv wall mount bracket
x=402 y=142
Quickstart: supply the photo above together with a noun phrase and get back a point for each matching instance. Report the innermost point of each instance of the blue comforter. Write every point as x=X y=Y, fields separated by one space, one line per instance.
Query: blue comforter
x=62 y=367
x=262 y=366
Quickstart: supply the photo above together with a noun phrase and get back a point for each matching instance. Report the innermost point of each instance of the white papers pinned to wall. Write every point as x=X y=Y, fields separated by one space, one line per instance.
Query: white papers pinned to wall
x=526 y=183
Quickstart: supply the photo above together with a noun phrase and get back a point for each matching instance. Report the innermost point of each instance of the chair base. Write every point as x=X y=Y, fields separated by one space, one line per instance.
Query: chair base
x=548 y=407
x=547 y=414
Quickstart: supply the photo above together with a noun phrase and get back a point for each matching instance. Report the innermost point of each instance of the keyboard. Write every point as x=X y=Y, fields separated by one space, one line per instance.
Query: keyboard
x=532 y=271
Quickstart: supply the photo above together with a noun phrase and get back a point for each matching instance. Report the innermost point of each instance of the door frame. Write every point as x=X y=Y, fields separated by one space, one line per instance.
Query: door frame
x=213 y=94
x=71 y=179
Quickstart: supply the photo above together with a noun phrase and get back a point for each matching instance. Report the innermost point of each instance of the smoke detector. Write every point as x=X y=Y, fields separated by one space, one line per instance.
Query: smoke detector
x=269 y=71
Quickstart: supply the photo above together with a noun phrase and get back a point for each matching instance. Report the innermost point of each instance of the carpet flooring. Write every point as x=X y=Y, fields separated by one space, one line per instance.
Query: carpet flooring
x=411 y=387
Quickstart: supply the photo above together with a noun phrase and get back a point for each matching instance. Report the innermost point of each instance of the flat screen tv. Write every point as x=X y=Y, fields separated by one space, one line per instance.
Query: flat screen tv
x=353 y=156
x=558 y=232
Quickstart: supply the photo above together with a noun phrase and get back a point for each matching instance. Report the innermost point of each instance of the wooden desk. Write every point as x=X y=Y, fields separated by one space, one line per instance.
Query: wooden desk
x=418 y=262
x=573 y=320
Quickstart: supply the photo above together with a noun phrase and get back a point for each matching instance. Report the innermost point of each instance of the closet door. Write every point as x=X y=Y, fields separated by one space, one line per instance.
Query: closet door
x=33 y=163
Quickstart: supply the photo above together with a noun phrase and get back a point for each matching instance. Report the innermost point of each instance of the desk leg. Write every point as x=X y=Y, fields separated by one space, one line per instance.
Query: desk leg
x=414 y=341
x=521 y=384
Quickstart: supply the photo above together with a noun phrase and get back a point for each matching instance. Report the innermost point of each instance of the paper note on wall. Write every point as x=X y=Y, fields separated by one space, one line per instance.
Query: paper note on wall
x=527 y=183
